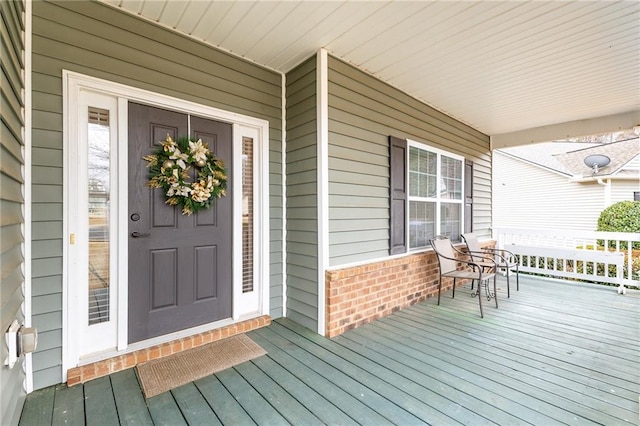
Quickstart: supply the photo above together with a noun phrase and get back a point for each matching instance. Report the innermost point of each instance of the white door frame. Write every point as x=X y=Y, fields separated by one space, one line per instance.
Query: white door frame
x=245 y=305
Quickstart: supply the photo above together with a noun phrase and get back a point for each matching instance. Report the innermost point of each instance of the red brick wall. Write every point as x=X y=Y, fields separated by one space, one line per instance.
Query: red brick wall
x=361 y=294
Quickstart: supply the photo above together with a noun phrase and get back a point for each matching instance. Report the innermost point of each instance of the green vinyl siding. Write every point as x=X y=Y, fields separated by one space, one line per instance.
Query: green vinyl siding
x=12 y=200
x=302 y=195
x=96 y=39
x=363 y=113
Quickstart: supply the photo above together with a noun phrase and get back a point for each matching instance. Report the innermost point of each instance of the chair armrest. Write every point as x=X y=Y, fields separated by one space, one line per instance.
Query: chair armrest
x=511 y=258
x=474 y=265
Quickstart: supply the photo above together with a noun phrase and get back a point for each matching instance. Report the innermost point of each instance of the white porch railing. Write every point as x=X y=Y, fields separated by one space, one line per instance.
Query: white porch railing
x=574 y=254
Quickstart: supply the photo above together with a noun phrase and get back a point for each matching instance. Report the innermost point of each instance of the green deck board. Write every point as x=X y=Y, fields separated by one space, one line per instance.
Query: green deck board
x=223 y=403
x=306 y=395
x=460 y=404
x=400 y=383
x=527 y=401
x=164 y=410
x=193 y=405
x=328 y=384
x=38 y=407
x=397 y=407
x=280 y=399
x=505 y=363
x=68 y=406
x=99 y=404
x=130 y=403
x=579 y=353
x=561 y=351
x=243 y=392
x=552 y=353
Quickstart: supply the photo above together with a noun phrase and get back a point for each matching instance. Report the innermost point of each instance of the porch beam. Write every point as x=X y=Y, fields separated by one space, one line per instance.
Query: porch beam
x=569 y=129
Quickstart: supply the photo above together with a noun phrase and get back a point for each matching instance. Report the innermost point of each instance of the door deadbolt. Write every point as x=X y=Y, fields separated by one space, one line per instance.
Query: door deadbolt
x=135 y=217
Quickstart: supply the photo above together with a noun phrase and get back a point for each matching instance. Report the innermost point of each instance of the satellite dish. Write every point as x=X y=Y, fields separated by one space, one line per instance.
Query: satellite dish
x=596 y=162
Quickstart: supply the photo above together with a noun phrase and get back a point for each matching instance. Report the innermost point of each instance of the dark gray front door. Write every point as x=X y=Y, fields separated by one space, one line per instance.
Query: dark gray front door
x=179 y=266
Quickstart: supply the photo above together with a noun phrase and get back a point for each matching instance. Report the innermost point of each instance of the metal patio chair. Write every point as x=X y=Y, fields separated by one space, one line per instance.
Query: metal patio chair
x=457 y=268
x=503 y=259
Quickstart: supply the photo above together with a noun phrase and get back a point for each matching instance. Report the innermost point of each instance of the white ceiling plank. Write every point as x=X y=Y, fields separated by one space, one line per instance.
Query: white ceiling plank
x=172 y=12
x=412 y=36
x=256 y=28
x=297 y=27
x=325 y=32
x=498 y=66
x=230 y=21
x=535 y=48
x=151 y=9
x=192 y=16
x=210 y=20
x=388 y=21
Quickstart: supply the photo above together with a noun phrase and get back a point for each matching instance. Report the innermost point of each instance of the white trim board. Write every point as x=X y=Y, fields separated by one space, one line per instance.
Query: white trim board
x=322 y=98
x=28 y=120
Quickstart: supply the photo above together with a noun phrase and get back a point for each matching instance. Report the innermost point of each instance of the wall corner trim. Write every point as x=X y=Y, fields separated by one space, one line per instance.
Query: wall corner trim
x=322 y=111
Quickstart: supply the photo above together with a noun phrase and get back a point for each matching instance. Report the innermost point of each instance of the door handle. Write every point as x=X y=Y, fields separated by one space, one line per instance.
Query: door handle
x=136 y=234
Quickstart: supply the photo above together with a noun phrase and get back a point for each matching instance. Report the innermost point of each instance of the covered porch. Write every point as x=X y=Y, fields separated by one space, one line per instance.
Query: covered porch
x=556 y=352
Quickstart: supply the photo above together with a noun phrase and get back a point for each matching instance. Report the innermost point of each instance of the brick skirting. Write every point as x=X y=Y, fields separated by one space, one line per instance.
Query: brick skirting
x=361 y=294
x=122 y=362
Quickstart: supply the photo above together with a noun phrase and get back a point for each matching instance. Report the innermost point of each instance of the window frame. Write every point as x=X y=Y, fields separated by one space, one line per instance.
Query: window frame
x=438 y=200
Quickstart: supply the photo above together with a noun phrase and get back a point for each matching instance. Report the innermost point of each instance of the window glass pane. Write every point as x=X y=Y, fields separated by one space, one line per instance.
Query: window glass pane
x=422 y=223
x=99 y=255
x=451 y=178
x=450 y=220
x=422 y=173
x=247 y=215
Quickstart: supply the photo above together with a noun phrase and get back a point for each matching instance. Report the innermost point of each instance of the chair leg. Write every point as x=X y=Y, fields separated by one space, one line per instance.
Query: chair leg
x=480 y=298
x=508 y=290
x=439 y=287
x=495 y=290
x=517 y=278
x=453 y=293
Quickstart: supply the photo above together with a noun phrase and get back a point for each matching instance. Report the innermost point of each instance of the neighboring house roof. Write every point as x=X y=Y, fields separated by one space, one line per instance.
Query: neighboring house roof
x=620 y=153
x=567 y=158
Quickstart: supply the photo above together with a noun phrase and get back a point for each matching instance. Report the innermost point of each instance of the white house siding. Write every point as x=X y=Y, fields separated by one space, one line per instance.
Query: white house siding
x=11 y=200
x=622 y=190
x=528 y=196
x=363 y=113
x=302 y=177
x=97 y=40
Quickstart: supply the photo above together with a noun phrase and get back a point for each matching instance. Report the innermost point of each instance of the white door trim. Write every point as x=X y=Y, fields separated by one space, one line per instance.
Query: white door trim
x=73 y=84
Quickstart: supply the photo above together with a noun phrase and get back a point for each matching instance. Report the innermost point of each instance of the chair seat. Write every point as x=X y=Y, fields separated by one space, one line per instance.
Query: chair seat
x=467 y=274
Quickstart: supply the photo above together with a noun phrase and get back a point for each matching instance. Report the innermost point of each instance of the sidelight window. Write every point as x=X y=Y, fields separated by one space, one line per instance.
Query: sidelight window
x=99 y=168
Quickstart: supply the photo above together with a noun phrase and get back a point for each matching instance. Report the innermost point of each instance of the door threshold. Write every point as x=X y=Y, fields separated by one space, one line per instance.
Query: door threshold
x=123 y=361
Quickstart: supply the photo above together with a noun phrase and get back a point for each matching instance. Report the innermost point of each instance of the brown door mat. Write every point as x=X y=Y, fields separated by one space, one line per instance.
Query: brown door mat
x=164 y=374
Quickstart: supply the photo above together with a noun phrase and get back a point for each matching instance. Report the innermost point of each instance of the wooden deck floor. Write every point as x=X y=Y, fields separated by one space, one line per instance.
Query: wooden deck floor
x=554 y=353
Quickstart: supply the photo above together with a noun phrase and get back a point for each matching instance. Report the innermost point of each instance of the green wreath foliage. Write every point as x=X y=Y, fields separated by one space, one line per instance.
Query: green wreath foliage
x=188 y=173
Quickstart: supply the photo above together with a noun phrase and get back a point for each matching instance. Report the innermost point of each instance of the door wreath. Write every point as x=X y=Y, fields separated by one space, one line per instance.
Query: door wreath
x=170 y=169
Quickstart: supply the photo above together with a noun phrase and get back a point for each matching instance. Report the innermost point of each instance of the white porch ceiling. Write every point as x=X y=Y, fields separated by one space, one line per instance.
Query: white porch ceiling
x=499 y=66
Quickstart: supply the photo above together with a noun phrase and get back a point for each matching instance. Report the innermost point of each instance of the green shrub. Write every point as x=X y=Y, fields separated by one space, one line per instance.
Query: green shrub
x=623 y=216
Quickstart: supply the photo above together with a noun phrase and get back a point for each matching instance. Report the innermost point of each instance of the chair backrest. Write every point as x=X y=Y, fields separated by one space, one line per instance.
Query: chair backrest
x=443 y=247
x=473 y=245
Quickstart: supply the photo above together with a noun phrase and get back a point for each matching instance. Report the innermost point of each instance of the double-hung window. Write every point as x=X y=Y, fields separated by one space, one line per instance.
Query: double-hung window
x=431 y=193
x=435 y=183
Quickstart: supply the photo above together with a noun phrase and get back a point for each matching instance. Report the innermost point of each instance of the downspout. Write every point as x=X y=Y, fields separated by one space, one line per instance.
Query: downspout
x=607 y=191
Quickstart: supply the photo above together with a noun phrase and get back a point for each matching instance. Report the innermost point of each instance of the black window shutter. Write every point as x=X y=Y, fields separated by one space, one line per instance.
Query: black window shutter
x=398 y=190
x=468 y=196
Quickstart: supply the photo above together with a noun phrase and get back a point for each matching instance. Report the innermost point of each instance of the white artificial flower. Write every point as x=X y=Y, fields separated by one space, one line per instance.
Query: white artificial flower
x=198 y=150
x=180 y=158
